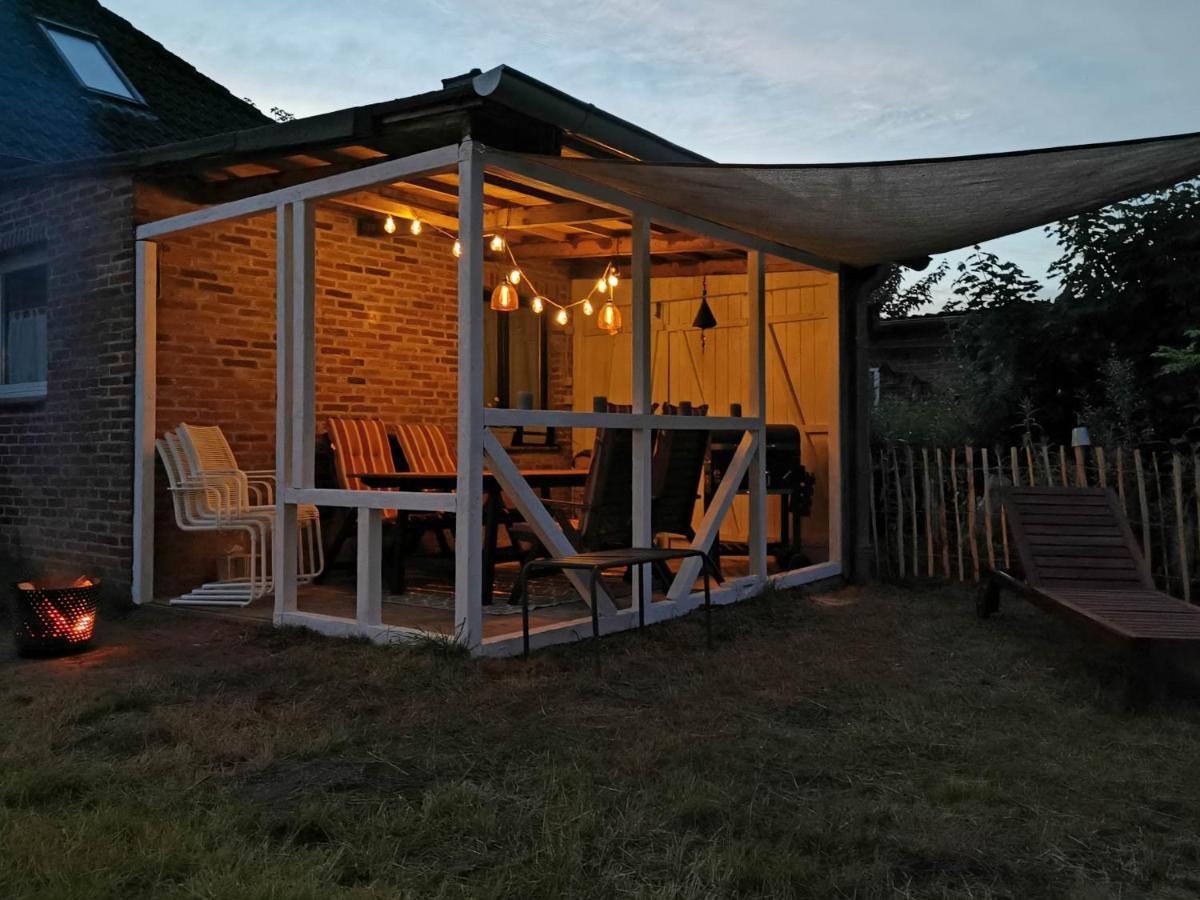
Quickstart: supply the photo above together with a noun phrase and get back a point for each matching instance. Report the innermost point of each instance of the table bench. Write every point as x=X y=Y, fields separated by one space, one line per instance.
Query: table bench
x=594 y=564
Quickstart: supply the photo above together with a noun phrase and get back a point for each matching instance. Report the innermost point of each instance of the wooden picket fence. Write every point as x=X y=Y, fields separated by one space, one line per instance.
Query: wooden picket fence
x=936 y=514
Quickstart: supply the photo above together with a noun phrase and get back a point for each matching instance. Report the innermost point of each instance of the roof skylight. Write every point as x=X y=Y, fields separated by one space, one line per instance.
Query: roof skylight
x=90 y=62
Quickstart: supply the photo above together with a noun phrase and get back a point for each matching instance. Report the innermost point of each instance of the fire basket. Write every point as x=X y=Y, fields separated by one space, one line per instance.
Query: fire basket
x=53 y=618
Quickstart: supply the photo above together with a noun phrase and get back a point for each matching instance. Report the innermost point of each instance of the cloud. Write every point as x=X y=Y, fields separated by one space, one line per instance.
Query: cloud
x=764 y=81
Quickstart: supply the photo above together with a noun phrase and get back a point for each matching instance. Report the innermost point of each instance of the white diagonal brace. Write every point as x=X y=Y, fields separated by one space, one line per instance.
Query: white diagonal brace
x=710 y=525
x=537 y=516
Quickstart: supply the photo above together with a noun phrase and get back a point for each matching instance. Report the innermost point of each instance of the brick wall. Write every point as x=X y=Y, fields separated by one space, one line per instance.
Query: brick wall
x=386 y=341
x=66 y=475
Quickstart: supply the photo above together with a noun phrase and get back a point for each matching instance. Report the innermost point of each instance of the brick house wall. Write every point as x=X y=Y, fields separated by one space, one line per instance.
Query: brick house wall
x=66 y=476
x=386 y=343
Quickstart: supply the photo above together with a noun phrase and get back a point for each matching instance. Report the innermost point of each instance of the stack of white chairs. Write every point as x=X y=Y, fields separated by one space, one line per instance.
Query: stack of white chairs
x=210 y=493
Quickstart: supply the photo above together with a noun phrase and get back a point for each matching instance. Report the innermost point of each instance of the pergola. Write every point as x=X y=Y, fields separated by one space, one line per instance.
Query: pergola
x=581 y=204
x=854 y=218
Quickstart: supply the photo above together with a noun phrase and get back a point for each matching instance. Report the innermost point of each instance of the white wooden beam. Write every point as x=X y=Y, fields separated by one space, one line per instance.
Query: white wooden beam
x=369 y=605
x=578 y=188
x=643 y=533
x=756 y=294
x=710 y=525
x=537 y=517
x=416 y=501
x=145 y=399
x=428 y=162
x=468 y=532
x=284 y=549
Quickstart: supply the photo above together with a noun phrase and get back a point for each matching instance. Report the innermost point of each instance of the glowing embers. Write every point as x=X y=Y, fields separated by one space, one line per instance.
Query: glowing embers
x=55 y=617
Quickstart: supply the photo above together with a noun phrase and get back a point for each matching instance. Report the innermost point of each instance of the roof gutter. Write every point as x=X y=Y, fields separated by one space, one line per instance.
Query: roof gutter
x=516 y=90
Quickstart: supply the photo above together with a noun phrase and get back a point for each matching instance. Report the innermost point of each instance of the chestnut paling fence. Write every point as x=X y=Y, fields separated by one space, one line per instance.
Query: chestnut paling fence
x=936 y=513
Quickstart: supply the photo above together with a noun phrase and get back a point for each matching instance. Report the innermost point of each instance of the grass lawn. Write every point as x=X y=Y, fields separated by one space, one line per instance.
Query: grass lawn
x=867 y=743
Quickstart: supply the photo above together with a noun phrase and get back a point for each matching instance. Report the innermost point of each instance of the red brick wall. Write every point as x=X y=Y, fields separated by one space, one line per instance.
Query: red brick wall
x=66 y=475
x=386 y=341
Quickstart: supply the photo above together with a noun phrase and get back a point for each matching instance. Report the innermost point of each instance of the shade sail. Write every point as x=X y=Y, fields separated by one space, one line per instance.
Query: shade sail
x=862 y=214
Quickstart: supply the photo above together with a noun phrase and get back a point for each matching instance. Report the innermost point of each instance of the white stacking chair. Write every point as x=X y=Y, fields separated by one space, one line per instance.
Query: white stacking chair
x=208 y=505
x=211 y=493
x=210 y=456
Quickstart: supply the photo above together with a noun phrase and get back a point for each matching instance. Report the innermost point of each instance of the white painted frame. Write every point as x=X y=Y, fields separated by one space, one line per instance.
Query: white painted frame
x=295 y=414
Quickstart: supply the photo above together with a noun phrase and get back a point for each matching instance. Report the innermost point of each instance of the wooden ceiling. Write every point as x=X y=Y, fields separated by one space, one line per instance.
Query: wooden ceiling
x=537 y=223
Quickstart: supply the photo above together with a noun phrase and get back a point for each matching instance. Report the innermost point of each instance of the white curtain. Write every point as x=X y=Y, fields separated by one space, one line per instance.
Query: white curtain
x=25 y=346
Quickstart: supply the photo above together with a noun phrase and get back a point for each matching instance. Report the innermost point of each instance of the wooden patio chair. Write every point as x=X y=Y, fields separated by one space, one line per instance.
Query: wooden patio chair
x=676 y=470
x=362 y=446
x=1078 y=560
x=604 y=518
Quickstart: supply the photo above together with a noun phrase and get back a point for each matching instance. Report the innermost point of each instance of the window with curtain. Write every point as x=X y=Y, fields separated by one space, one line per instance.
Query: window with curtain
x=22 y=326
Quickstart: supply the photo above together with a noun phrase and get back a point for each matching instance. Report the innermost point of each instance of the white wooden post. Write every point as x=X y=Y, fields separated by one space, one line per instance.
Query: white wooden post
x=369 y=609
x=756 y=294
x=283 y=552
x=468 y=532
x=641 y=387
x=145 y=398
x=304 y=342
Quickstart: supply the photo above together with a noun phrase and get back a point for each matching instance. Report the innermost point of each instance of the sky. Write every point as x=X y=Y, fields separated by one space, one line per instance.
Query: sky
x=756 y=81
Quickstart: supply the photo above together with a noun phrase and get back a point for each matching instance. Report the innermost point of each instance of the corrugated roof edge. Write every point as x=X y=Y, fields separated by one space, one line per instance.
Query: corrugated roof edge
x=503 y=84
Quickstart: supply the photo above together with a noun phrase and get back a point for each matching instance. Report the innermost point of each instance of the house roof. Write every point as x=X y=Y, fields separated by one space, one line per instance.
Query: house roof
x=47 y=115
x=497 y=106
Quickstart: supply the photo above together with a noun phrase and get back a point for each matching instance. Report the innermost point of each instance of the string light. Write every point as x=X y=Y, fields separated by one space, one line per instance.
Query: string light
x=602 y=284
x=610 y=318
x=561 y=316
x=457 y=249
x=537 y=304
x=613 y=279
x=515 y=276
x=588 y=309
x=504 y=298
x=415 y=227
x=389 y=225
x=497 y=243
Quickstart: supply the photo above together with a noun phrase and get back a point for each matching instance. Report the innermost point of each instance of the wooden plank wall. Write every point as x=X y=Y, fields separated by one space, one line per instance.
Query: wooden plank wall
x=801 y=345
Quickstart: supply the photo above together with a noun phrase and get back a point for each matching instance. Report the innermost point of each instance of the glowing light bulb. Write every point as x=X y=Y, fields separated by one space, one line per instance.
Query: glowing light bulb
x=610 y=318
x=537 y=304
x=602 y=285
x=562 y=318
x=415 y=226
x=588 y=309
x=457 y=250
x=613 y=279
x=504 y=297
x=515 y=276
x=389 y=225
x=497 y=243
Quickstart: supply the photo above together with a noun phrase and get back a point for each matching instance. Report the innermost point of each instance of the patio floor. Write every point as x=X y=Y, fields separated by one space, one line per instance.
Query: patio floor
x=429 y=602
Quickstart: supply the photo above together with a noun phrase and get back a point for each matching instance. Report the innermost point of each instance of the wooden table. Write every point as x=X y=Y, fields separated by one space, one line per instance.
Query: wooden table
x=542 y=479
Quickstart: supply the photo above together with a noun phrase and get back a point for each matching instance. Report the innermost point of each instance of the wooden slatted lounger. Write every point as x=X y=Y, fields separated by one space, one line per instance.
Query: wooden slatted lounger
x=1079 y=561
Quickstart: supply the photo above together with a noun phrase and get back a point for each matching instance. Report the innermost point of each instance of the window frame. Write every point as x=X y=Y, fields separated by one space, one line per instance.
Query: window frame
x=49 y=25
x=30 y=258
x=503 y=354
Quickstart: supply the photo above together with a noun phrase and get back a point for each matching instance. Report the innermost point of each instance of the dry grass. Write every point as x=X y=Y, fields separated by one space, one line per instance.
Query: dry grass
x=868 y=743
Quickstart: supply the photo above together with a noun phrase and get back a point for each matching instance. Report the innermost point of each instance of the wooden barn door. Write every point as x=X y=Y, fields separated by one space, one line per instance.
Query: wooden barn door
x=714 y=368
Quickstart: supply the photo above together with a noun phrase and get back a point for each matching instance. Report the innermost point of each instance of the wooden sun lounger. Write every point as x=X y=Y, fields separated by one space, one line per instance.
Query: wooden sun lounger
x=1078 y=560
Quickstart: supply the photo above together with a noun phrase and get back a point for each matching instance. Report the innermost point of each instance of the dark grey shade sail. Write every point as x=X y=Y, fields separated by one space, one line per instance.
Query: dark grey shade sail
x=860 y=214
